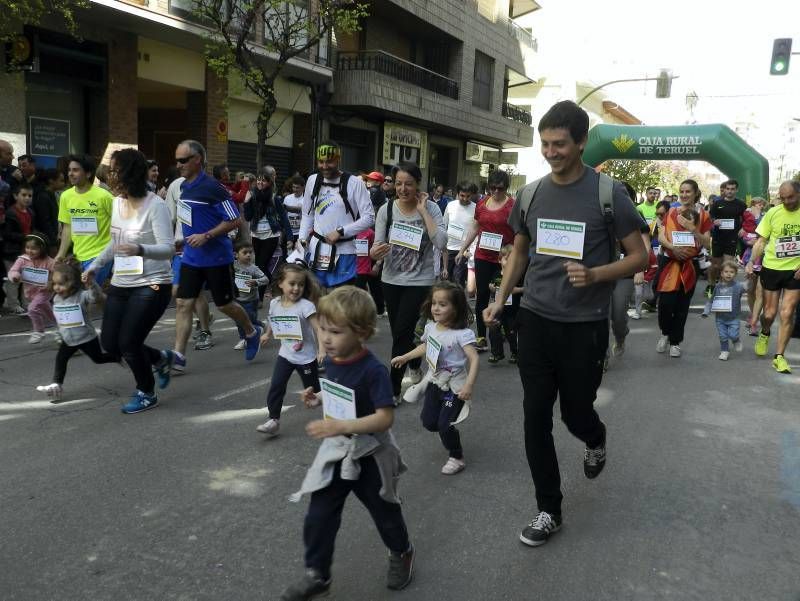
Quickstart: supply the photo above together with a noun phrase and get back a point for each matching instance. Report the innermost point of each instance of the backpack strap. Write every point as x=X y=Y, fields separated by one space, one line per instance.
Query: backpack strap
x=605 y=187
x=344 y=179
x=526 y=200
x=389 y=216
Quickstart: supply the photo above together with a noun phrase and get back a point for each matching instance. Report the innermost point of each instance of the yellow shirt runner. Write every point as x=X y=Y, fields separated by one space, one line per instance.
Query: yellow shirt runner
x=781 y=230
x=89 y=216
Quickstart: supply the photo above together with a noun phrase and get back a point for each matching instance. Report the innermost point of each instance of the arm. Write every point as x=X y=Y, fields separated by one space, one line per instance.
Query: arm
x=358 y=194
x=469 y=238
x=380 y=421
x=260 y=278
x=15 y=273
x=307 y=218
x=636 y=260
x=381 y=247
x=515 y=267
x=221 y=229
x=66 y=241
x=161 y=222
x=756 y=254
x=315 y=324
x=417 y=353
x=472 y=357
x=434 y=224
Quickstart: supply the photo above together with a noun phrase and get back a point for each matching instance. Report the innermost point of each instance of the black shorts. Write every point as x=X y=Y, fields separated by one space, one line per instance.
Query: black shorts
x=778 y=279
x=724 y=246
x=218 y=279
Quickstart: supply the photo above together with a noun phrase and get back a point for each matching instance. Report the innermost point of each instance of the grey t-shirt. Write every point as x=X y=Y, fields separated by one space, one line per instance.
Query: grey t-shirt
x=548 y=291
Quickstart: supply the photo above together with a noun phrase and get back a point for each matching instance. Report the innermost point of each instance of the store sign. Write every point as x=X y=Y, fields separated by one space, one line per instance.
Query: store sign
x=658 y=145
x=480 y=153
x=402 y=143
x=49 y=137
x=509 y=158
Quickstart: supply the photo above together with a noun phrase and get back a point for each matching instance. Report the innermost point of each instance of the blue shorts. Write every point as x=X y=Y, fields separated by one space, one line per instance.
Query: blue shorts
x=343 y=273
x=102 y=274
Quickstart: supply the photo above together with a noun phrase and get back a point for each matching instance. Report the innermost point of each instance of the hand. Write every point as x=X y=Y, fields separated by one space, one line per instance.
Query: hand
x=443 y=274
x=717 y=222
x=579 y=275
x=290 y=245
x=14 y=278
x=638 y=279
x=422 y=202
x=460 y=257
x=681 y=253
x=399 y=361
x=379 y=251
x=126 y=250
x=87 y=277
x=492 y=313
x=252 y=283
x=375 y=272
x=686 y=224
x=310 y=398
x=325 y=428
x=465 y=393
x=196 y=240
x=264 y=339
x=748 y=269
x=162 y=192
x=333 y=237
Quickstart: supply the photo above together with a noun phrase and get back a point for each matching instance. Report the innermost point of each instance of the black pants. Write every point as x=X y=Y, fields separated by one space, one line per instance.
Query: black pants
x=563 y=360
x=507 y=328
x=91 y=349
x=264 y=250
x=403 y=304
x=325 y=516
x=485 y=272
x=281 y=373
x=456 y=272
x=129 y=315
x=673 y=310
x=375 y=287
x=439 y=411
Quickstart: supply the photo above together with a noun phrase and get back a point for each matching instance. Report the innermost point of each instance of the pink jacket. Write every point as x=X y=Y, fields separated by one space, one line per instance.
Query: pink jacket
x=25 y=261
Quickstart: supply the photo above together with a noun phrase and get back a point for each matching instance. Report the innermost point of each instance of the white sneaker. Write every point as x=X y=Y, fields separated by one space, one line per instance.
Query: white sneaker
x=453 y=466
x=737 y=346
x=618 y=348
x=674 y=351
x=57 y=338
x=36 y=338
x=240 y=345
x=634 y=314
x=53 y=390
x=270 y=427
x=723 y=356
x=413 y=376
x=662 y=345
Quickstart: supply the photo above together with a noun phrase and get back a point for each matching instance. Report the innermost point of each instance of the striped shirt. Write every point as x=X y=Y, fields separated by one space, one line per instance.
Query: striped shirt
x=209 y=204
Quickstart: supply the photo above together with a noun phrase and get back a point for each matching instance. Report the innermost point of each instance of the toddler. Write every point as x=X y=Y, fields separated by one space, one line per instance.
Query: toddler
x=726 y=304
x=248 y=278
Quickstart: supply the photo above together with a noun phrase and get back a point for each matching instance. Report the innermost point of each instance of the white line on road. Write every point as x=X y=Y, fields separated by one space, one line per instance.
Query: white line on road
x=240 y=390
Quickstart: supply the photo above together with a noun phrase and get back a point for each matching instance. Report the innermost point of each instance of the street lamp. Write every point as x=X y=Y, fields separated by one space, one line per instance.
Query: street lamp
x=663 y=88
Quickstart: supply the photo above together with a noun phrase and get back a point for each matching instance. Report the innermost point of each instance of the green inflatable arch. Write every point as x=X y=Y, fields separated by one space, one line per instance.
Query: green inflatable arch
x=715 y=143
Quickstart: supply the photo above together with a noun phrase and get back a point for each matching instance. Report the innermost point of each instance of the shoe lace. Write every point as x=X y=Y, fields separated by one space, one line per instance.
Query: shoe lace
x=593 y=456
x=396 y=565
x=542 y=521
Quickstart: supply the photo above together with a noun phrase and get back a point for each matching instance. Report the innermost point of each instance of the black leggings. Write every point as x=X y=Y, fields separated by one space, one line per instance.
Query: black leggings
x=309 y=374
x=129 y=315
x=91 y=349
x=485 y=272
x=403 y=304
x=264 y=250
x=673 y=310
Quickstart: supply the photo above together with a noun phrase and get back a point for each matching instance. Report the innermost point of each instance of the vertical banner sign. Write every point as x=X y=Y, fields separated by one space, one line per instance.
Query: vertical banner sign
x=403 y=143
x=48 y=137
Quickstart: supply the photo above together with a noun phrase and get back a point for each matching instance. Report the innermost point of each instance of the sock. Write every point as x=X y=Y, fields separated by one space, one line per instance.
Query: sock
x=179 y=355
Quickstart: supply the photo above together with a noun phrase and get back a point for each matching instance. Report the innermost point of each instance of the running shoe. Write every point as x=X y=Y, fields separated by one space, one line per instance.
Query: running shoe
x=57 y=338
x=762 y=344
x=737 y=346
x=453 y=466
x=495 y=358
x=179 y=362
x=413 y=376
x=480 y=345
x=270 y=427
x=539 y=530
x=648 y=308
x=674 y=351
x=204 y=341
x=140 y=402
x=401 y=569
x=240 y=346
x=513 y=358
x=310 y=586
x=662 y=345
x=18 y=311
x=253 y=344
x=164 y=370
x=723 y=355
x=618 y=348
x=634 y=314
x=781 y=365
x=594 y=460
x=54 y=391
x=36 y=337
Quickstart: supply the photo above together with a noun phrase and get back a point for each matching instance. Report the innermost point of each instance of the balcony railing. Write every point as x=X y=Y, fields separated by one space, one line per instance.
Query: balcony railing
x=393 y=66
x=517 y=114
x=523 y=35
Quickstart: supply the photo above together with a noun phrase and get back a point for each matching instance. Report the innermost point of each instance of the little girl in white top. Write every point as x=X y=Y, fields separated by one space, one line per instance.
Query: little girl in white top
x=293 y=322
x=448 y=345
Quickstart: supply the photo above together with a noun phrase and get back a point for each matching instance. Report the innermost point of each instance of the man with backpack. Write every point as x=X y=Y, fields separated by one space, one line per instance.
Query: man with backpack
x=336 y=208
x=568 y=224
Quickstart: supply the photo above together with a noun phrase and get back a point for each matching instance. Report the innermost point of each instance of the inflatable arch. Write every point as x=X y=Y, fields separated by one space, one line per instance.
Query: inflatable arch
x=715 y=143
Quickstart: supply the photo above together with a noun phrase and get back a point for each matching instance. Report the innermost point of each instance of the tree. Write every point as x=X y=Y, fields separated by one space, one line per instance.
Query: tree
x=17 y=13
x=639 y=174
x=290 y=30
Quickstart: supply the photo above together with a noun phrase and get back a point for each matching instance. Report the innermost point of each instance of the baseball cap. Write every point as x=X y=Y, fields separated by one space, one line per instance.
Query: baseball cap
x=375 y=176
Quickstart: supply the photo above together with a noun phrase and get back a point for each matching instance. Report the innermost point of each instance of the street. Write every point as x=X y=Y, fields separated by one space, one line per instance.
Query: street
x=700 y=498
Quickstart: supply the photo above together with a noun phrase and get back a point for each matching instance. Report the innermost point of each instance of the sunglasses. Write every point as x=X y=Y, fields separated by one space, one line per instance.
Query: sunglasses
x=184 y=160
x=388 y=180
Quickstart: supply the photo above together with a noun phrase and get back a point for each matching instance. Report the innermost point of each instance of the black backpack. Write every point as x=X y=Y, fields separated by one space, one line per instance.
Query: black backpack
x=344 y=178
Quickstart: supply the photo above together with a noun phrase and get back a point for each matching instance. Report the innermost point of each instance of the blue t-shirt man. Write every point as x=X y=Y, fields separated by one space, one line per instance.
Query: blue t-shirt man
x=203 y=204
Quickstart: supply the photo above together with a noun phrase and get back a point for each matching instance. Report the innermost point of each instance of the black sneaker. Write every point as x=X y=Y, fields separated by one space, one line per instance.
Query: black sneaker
x=401 y=568
x=496 y=358
x=539 y=530
x=311 y=586
x=594 y=460
x=513 y=358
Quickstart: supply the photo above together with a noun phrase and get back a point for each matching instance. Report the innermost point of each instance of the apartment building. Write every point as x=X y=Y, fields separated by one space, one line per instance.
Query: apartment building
x=429 y=81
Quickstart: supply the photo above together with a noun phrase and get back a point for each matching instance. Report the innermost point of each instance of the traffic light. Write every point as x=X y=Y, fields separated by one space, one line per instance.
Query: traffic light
x=664 y=84
x=781 y=53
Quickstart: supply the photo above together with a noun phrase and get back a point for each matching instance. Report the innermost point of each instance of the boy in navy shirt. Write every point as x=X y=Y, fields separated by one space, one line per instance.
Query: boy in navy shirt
x=361 y=451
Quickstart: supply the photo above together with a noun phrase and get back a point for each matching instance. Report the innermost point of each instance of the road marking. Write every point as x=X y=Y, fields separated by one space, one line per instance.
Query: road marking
x=240 y=390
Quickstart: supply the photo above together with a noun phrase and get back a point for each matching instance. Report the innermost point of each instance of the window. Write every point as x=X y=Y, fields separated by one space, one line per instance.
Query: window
x=482 y=81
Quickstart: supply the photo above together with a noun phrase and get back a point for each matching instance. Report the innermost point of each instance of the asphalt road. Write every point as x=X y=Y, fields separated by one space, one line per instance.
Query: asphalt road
x=700 y=498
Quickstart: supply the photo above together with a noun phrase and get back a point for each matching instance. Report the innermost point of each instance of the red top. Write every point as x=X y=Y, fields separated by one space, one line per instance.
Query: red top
x=25 y=219
x=495 y=222
x=364 y=264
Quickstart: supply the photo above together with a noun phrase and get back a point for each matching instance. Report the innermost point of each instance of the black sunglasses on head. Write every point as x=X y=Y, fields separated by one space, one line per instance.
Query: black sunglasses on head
x=184 y=160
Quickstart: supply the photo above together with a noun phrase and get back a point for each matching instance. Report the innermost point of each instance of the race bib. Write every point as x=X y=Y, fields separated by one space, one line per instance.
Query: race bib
x=286 y=327
x=403 y=234
x=69 y=316
x=184 y=212
x=682 y=239
x=128 y=265
x=294 y=222
x=432 y=349
x=490 y=241
x=241 y=278
x=455 y=231
x=84 y=226
x=362 y=247
x=560 y=238
x=263 y=227
x=35 y=276
x=788 y=246
x=727 y=224
x=323 y=251
x=338 y=402
x=722 y=304
x=509 y=300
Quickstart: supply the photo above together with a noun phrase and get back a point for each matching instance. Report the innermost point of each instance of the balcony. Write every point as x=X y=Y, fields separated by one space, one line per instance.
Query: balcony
x=393 y=66
x=522 y=35
x=517 y=114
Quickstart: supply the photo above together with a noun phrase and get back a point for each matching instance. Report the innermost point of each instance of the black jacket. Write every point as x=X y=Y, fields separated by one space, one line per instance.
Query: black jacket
x=45 y=214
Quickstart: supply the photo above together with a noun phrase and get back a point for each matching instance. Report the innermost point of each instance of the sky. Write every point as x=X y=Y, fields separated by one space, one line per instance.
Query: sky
x=720 y=49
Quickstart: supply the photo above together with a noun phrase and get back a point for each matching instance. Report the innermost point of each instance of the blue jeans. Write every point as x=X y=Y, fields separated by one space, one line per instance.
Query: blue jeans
x=251 y=308
x=728 y=330
x=102 y=274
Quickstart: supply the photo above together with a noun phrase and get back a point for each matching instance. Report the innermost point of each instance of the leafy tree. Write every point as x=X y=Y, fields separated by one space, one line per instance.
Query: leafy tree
x=639 y=174
x=17 y=13
x=252 y=40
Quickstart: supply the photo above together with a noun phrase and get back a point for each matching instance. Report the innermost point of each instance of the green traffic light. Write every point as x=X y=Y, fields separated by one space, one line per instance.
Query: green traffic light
x=779 y=66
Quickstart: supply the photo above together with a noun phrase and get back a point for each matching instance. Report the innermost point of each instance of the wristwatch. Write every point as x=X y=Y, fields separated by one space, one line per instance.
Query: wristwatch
x=208 y=236
x=340 y=231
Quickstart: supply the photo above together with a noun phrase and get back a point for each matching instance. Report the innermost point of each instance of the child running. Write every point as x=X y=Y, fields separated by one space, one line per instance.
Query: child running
x=357 y=454
x=293 y=322
x=507 y=326
x=448 y=344
x=248 y=278
x=71 y=308
x=726 y=305
x=33 y=270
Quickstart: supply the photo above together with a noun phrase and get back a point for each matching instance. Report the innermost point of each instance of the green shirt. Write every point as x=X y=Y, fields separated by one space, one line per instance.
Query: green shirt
x=89 y=216
x=776 y=226
x=648 y=212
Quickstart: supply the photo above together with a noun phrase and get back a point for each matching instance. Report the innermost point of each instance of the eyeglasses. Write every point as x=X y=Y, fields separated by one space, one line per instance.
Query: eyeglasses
x=184 y=160
x=388 y=180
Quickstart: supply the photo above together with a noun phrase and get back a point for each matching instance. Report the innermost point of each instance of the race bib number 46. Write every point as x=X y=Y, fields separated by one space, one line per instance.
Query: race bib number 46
x=788 y=246
x=560 y=238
